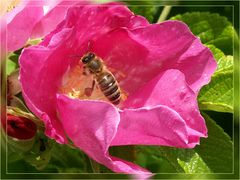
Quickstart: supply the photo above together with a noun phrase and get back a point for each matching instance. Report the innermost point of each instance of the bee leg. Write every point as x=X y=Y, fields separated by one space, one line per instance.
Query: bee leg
x=84 y=71
x=88 y=91
x=93 y=84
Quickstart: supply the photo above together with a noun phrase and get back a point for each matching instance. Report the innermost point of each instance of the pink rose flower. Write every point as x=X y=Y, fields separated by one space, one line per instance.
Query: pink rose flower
x=29 y=19
x=160 y=69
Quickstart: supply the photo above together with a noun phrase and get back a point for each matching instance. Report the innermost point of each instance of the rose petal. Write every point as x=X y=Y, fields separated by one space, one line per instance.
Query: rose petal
x=138 y=21
x=159 y=125
x=158 y=47
x=101 y=20
x=92 y=125
x=55 y=14
x=20 y=22
x=40 y=76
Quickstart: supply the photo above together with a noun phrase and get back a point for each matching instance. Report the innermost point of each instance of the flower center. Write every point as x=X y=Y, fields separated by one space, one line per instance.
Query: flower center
x=77 y=84
x=7 y=6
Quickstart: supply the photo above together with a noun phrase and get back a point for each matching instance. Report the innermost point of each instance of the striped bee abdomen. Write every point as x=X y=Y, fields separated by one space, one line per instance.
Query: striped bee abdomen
x=109 y=86
x=105 y=79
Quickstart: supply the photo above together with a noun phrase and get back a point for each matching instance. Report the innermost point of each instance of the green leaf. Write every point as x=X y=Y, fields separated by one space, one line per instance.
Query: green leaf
x=194 y=165
x=213 y=155
x=124 y=152
x=11 y=63
x=182 y=160
x=218 y=94
x=69 y=160
x=211 y=28
x=152 y=162
x=18 y=145
x=217 y=149
x=11 y=66
x=225 y=63
x=20 y=166
x=40 y=154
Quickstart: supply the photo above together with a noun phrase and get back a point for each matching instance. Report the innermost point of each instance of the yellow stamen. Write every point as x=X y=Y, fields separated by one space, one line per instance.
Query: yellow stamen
x=8 y=5
x=77 y=85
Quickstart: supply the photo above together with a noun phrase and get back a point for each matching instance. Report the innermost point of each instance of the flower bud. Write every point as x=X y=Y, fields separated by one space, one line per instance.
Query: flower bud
x=19 y=127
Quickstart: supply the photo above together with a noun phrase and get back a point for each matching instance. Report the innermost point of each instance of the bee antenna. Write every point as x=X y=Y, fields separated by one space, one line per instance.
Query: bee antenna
x=75 y=56
x=89 y=45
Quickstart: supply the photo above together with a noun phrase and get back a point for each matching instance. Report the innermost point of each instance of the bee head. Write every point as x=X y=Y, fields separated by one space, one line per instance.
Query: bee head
x=88 y=57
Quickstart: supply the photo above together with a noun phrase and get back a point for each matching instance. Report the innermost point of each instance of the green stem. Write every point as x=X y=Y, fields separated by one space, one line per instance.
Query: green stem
x=95 y=166
x=163 y=16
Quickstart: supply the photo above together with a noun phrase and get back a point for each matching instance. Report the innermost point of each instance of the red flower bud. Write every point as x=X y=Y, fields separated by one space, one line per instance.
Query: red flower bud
x=19 y=127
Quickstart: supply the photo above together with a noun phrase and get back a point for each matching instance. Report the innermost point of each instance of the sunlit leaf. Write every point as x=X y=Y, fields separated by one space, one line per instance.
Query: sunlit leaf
x=225 y=63
x=218 y=94
x=213 y=155
x=211 y=29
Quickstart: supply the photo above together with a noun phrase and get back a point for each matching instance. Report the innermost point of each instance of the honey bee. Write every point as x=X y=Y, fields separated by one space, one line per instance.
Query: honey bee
x=105 y=79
